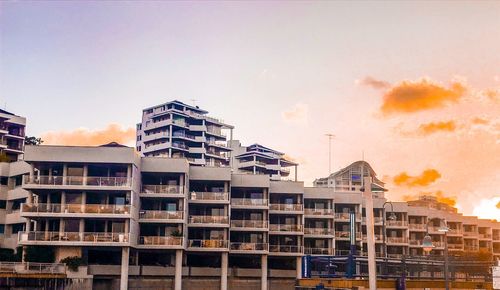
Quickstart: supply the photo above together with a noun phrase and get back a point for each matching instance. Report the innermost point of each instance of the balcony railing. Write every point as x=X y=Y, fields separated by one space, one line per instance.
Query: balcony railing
x=249 y=201
x=286 y=207
x=346 y=235
x=318 y=251
x=249 y=246
x=397 y=240
x=285 y=228
x=318 y=211
x=183 y=135
x=470 y=234
x=318 y=231
x=198 y=219
x=455 y=246
x=454 y=231
x=396 y=223
x=415 y=242
x=161 y=241
x=249 y=224
x=416 y=226
x=75 y=208
x=209 y=196
x=32 y=268
x=217 y=244
x=77 y=180
x=485 y=236
x=346 y=215
x=162 y=189
x=471 y=248
x=92 y=237
x=161 y=214
x=285 y=249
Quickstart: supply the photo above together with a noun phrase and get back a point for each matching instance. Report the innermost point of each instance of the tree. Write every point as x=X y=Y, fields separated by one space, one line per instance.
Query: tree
x=32 y=140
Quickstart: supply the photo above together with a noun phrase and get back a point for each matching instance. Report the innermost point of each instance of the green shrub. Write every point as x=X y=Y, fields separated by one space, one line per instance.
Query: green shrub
x=73 y=262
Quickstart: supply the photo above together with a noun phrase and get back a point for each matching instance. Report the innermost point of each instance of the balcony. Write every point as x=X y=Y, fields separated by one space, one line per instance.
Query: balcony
x=208 y=245
x=417 y=243
x=417 y=227
x=74 y=210
x=286 y=250
x=472 y=248
x=73 y=238
x=209 y=197
x=318 y=251
x=156 y=136
x=161 y=242
x=249 y=247
x=455 y=232
x=183 y=135
x=96 y=182
x=249 y=225
x=319 y=232
x=285 y=229
x=161 y=216
x=162 y=191
x=483 y=236
x=344 y=216
x=286 y=208
x=32 y=268
x=397 y=240
x=470 y=234
x=318 y=212
x=396 y=224
x=249 y=203
x=217 y=221
x=346 y=235
x=453 y=246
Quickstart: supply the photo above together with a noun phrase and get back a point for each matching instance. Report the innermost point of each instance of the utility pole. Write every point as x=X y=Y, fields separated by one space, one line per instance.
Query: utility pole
x=330 y=137
x=370 y=232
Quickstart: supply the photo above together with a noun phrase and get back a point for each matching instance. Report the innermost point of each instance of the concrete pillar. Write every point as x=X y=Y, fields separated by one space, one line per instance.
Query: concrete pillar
x=223 y=271
x=124 y=269
x=178 y=270
x=81 y=228
x=85 y=173
x=65 y=173
x=263 y=277
x=299 y=267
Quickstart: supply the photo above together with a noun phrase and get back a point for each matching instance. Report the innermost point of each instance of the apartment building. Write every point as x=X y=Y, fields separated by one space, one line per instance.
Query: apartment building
x=258 y=159
x=12 y=135
x=130 y=216
x=178 y=130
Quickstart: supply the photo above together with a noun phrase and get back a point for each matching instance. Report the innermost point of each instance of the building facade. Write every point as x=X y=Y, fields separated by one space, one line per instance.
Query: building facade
x=170 y=218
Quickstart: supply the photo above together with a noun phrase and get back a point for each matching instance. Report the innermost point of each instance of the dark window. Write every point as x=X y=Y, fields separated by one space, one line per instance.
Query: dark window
x=18 y=180
x=2 y=204
x=17 y=228
x=4 y=180
x=2 y=229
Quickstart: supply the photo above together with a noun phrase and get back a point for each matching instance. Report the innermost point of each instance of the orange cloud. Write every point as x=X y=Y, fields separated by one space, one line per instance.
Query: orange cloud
x=439 y=195
x=480 y=121
x=374 y=83
x=414 y=96
x=433 y=127
x=492 y=94
x=427 y=177
x=498 y=205
x=86 y=137
x=298 y=112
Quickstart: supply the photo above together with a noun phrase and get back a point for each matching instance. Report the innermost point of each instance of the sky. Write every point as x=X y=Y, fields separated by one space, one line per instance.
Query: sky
x=411 y=87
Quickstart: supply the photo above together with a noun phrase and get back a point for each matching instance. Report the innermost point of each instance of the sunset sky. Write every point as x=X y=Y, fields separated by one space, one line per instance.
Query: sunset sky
x=414 y=87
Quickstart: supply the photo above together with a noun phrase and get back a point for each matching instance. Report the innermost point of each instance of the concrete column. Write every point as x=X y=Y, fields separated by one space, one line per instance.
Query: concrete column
x=85 y=174
x=182 y=186
x=65 y=173
x=124 y=269
x=263 y=277
x=178 y=270
x=81 y=228
x=223 y=271
x=299 y=267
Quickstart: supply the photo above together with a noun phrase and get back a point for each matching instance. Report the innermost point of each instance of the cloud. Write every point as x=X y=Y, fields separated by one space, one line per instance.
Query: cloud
x=480 y=121
x=492 y=94
x=439 y=195
x=374 y=83
x=427 y=177
x=434 y=127
x=87 y=137
x=488 y=209
x=498 y=205
x=298 y=112
x=420 y=95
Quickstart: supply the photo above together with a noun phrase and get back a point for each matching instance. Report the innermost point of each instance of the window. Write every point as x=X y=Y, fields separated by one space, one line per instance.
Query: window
x=18 y=180
x=4 y=180
x=3 y=204
x=2 y=229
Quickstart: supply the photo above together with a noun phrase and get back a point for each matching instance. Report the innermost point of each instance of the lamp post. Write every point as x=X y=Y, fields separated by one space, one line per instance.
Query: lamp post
x=391 y=217
x=428 y=246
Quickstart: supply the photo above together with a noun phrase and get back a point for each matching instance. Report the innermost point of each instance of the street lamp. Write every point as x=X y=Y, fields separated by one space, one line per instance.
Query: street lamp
x=427 y=245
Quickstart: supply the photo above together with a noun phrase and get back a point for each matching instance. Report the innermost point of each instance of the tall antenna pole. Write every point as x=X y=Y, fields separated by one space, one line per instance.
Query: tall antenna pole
x=330 y=137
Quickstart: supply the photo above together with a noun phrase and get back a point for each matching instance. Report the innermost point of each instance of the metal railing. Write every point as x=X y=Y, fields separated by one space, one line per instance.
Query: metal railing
x=77 y=180
x=318 y=211
x=249 y=201
x=93 y=237
x=346 y=235
x=416 y=226
x=390 y=223
x=285 y=249
x=31 y=268
x=249 y=224
x=285 y=228
x=75 y=208
x=286 y=207
x=318 y=231
x=161 y=241
x=161 y=214
x=218 y=244
x=346 y=215
x=397 y=240
x=198 y=195
x=249 y=246
x=199 y=219
x=158 y=189
x=318 y=251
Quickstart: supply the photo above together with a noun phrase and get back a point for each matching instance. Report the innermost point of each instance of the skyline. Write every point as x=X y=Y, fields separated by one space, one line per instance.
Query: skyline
x=430 y=116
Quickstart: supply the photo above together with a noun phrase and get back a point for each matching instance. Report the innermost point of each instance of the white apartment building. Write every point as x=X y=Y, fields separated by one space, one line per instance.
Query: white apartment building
x=178 y=130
